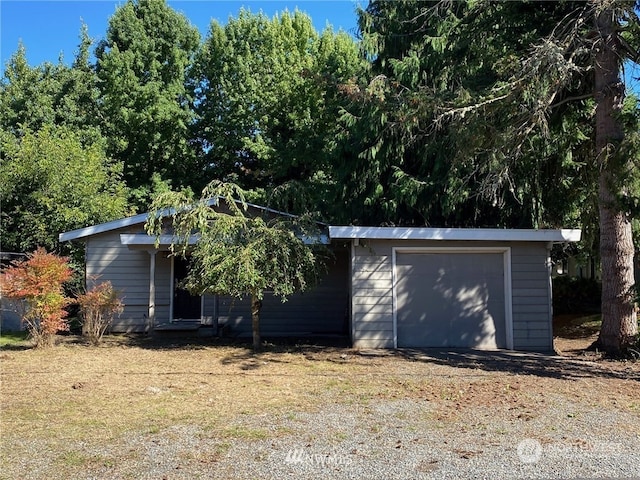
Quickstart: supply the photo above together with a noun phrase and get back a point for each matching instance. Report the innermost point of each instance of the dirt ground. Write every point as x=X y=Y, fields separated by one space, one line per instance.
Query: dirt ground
x=574 y=334
x=74 y=409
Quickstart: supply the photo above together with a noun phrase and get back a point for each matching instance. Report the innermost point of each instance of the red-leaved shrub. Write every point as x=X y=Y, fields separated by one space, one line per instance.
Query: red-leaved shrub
x=97 y=309
x=37 y=284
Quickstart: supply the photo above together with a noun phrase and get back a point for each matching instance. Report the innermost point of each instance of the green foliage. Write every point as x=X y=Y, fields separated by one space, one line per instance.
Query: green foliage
x=267 y=103
x=234 y=253
x=576 y=295
x=142 y=68
x=518 y=107
x=98 y=307
x=38 y=283
x=12 y=339
x=49 y=94
x=428 y=135
x=51 y=181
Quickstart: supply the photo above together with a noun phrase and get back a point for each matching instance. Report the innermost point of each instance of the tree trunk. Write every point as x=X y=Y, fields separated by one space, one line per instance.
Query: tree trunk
x=619 y=323
x=256 y=306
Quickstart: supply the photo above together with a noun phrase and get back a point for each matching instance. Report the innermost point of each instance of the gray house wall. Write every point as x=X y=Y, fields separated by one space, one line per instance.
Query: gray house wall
x=128 y=271
x=372 y=301
x=531 y=291
x=321 y=310
x=10 y=320
x=355 y=297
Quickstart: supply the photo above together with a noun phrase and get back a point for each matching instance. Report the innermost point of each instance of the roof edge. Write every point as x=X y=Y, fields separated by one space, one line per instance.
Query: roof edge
x=470 y=234
x=103 y=227
x=142 y=218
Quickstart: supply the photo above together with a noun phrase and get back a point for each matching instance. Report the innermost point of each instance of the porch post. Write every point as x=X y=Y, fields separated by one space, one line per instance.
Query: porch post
x=152 y=290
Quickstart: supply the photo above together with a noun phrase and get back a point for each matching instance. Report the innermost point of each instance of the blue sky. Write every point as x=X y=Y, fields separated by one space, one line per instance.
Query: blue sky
x=48 y=28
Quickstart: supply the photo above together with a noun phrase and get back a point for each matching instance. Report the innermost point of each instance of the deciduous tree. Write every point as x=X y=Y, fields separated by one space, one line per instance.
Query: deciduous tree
x=237 y=254
x=142 y=69
x=267 y=103
x=98 y=307
x=52 y=182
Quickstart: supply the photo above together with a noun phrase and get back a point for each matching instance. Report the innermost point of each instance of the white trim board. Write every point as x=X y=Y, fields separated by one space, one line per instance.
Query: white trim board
x=133 y=240
x=475 y=234
x=508 y=296
x=164 y=241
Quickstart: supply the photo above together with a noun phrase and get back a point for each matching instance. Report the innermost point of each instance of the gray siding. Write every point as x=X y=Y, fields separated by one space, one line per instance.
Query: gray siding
x=321 y=310
x=128 y=271
x=372 y=292
x=371 y=297
x=326 y=309
x=532 y=315
x=210 y=310
x=10 y=318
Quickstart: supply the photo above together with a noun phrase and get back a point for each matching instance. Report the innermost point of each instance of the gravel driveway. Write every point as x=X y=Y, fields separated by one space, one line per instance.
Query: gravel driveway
x=394 y=439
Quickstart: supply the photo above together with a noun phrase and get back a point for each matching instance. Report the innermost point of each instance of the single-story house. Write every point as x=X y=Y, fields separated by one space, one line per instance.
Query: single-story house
x=387 y=287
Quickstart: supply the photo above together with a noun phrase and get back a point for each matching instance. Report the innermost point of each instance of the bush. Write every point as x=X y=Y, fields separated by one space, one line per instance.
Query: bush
x=97 y=308
x=37 y=283
x=576 y=295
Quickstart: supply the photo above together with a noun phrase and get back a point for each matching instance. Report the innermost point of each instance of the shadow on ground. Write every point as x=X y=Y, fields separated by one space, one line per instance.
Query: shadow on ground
x=525 y=363
x=576 y=326
x=336 y=349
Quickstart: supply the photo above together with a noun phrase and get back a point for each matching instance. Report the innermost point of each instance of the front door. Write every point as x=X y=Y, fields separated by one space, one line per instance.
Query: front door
x=185 y=305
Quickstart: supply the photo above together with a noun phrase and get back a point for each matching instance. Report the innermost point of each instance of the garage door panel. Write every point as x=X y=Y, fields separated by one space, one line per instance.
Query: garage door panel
x=423 y=332
x=450 y=300
x=450 y=263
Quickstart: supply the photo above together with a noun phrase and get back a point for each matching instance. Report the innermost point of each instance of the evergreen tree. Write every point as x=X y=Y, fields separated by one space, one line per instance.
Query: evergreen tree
x=408 y=164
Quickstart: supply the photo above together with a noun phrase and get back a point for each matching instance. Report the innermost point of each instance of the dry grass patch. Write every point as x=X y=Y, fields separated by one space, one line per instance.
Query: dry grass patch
x=97 y=394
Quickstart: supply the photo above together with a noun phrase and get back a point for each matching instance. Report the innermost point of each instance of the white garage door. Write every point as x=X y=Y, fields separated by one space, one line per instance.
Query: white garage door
x=450 y=300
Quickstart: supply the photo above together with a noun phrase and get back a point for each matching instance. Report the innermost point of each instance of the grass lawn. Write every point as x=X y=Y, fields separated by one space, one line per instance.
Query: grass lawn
x=73 y=409
x=13 y=339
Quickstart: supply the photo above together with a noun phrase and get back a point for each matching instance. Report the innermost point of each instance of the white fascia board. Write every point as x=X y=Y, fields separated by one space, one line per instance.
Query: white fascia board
x=471 y=234
x=103 y=227
x=116 y=224
x=150 y=240
x=140 y=239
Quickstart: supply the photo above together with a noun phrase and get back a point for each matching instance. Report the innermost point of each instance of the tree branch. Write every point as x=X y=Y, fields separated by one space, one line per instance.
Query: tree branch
x=572 y=99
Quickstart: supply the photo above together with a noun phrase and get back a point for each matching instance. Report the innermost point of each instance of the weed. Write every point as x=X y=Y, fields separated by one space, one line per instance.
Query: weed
x=75 y=459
